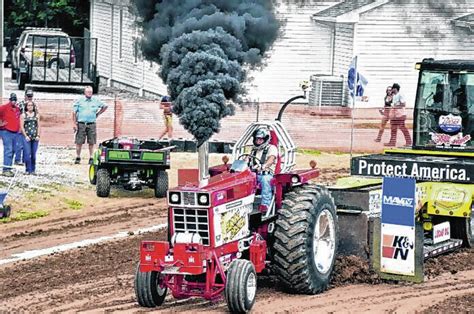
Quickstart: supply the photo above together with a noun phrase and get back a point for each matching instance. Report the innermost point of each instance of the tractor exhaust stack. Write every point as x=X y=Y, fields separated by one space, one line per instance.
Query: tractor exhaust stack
x=203 y=163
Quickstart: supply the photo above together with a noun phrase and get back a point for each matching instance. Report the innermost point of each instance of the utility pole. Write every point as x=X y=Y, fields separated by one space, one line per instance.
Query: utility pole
x=2 y=57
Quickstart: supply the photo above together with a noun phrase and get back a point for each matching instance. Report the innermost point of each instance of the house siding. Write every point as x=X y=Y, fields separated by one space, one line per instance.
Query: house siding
x=390 y=39
x=303 y=49
x=117 y=66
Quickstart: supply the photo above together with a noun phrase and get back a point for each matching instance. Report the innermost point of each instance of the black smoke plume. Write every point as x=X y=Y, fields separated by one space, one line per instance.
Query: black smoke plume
x=203 y=47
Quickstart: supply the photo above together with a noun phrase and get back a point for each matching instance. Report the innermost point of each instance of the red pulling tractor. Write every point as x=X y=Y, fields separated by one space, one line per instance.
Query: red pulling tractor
x=219 y=240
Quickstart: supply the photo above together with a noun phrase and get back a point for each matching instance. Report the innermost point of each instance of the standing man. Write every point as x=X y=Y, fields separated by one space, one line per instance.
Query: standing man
x=165 y=105
x=85 y=112
x=397 y=117
x=10 y=122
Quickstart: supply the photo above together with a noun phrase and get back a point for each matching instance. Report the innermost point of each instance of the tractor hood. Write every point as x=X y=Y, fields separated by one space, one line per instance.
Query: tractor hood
x=220 y=189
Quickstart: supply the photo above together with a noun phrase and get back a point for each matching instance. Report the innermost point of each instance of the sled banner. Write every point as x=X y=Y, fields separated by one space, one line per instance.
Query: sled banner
x=398 y=226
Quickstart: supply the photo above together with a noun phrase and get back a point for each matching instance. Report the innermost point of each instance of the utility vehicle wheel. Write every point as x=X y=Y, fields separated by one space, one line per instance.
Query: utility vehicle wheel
x=161 y=184
x=103 y=183
x=241 y=286
x=463 y=228
x=93 y=174
x=306 y=237
x=149 y=288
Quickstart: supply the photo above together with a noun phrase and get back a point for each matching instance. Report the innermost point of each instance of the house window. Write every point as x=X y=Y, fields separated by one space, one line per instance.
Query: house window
x=121 y=34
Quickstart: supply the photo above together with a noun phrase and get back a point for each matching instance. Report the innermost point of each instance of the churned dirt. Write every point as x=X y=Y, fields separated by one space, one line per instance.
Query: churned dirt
x=99 y=277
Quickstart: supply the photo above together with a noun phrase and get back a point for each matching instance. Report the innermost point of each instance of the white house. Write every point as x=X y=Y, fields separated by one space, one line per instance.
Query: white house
x=318 y=38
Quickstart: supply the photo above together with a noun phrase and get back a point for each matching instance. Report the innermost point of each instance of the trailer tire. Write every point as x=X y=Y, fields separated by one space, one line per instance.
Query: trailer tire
x=463 y=228
x=161 y=184
x=147 y=288
x=103 y=183
x=241 y=286
x=303 y=254
x=21 y=78
x=56 y=63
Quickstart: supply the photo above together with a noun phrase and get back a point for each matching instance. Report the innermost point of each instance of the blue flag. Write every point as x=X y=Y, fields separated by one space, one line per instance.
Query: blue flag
x=356 y=84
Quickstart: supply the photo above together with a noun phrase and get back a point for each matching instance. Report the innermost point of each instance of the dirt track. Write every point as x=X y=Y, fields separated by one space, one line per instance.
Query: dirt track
x=99 y=278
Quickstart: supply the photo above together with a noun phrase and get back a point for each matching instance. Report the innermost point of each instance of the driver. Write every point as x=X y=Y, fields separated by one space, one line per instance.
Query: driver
x=264 y=162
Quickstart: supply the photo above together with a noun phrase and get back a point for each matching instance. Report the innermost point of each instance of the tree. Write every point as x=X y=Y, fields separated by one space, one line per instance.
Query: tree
x=69 y=15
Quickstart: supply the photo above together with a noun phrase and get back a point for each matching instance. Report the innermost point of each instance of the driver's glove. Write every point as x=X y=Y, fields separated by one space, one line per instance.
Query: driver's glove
x=257 y=167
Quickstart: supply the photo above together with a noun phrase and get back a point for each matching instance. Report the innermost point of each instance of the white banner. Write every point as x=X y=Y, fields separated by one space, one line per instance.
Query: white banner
x=398 y=249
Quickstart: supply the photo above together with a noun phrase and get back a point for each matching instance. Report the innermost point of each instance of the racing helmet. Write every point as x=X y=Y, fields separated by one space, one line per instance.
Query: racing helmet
x=261 y=133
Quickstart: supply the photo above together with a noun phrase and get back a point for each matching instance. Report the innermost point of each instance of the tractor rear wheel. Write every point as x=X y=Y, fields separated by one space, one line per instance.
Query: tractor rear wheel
x=241 y=286
x=161 y=184
x=103 y=183
x=463 y=228
x=306 y=238
x=149 y=288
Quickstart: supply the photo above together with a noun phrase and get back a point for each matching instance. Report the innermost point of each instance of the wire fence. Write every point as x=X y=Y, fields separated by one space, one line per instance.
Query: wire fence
x=333 y=129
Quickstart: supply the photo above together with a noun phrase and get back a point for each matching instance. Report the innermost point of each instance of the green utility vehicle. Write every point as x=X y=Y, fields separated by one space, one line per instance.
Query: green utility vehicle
x=132 y=163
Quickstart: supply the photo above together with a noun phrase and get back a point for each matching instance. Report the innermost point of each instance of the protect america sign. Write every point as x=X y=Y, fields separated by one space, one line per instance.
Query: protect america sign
x=420 y=170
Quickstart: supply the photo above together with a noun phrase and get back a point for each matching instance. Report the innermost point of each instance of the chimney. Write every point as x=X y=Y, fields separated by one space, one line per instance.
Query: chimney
x=203 y=163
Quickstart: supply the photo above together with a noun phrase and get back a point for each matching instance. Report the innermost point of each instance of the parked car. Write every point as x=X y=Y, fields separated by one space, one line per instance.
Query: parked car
x=50 y=47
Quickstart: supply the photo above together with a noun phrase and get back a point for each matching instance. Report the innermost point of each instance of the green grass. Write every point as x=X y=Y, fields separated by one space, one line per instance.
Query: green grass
x=25 y=215
x=73 y=204
x=308 y=151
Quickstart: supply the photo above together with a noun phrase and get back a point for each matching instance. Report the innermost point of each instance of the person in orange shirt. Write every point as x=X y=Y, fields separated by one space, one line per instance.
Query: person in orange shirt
x=165 y=105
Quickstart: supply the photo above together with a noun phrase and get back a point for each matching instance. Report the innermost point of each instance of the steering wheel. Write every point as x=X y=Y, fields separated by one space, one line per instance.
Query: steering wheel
x=255 y=161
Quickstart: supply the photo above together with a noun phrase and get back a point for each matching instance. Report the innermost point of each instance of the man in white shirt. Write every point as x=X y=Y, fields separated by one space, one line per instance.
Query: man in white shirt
x=264 y=163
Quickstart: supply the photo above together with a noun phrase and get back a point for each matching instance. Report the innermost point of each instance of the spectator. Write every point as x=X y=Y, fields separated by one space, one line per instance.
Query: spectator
x=398 y=117
x=85 y=112
x=165 y=104
x=19 y=151
x=10 y=120
x=385 y=112
x=30 y=129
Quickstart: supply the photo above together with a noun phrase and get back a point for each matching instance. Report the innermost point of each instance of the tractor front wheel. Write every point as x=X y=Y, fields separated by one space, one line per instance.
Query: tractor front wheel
x=103 y=183
x=149 y=288
x=161 y=184
x=241 y=286
x=306 y=237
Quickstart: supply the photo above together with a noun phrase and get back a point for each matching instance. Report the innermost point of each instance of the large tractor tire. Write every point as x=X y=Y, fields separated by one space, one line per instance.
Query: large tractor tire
x=161 y=184
x=241 y=286
x=103 y=183
x=463 y=228
x=93 y=174
x=306 y=238
x=149 y=289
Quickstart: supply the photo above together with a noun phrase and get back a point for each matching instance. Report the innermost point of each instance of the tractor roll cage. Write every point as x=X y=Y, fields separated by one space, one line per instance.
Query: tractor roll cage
x=286 y=146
